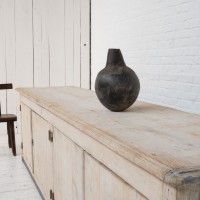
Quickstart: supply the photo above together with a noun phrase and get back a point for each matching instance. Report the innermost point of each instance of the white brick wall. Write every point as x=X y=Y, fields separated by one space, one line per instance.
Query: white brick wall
x=160 y=41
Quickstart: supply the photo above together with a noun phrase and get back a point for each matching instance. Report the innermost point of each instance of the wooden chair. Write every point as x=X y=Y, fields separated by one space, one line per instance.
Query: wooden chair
x=9 y=119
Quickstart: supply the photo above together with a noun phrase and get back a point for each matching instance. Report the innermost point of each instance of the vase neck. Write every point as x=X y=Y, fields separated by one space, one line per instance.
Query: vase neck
x=115 y=57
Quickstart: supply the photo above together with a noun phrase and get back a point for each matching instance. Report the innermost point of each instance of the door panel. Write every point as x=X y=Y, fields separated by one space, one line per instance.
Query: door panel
x=77 y=43
x=68 y=168
x=103 y=184
x=27 y=135
x=42 y=152
x=85 y=44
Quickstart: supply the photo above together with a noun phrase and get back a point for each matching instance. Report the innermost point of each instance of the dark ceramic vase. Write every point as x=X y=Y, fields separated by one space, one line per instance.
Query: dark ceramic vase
x=117 y=86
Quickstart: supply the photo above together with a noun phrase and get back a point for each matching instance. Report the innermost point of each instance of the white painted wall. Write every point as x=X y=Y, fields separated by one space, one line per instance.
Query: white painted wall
x=41 y=44
x=160 y=41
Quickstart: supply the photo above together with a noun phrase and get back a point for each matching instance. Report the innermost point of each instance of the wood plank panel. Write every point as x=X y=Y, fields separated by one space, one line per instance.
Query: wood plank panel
x=2 y=62
x=27 y=135
x=102 y=184
x=42 y=154
x=24 y=43
x=45 y=66
x=10 y=53
x=77 y=43
x=85 y=44
x=56 y=42
x=40 y=36
x=37 y=42
x=69 y=41
x=68 y=168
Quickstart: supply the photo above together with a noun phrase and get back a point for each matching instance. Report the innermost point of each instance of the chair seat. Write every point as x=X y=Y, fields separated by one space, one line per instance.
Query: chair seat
x=7 y=117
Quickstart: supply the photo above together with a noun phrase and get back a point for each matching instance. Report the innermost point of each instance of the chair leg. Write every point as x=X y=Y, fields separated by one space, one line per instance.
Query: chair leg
x=13 y=138
x=9 y=134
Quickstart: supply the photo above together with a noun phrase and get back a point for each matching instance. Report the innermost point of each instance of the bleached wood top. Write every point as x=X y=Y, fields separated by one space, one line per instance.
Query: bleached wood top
x=163 y=141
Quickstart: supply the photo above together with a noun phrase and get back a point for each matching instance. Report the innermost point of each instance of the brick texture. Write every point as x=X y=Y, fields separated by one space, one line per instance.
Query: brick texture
x=160 y=41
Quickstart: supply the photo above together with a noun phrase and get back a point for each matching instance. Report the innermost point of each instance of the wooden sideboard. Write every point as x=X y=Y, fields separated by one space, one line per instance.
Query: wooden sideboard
x=76 y=149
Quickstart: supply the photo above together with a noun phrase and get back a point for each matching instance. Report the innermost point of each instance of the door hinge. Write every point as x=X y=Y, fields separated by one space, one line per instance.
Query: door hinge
x=21 y=145
x=32 y=142
x=52 y=195
x=50 y=136
x=20 y=107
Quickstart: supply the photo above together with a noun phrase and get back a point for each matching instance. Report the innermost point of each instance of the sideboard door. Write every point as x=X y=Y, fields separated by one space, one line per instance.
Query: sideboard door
x=68 y=168
x=26 y=135
x=102 y=184
x=42 y=153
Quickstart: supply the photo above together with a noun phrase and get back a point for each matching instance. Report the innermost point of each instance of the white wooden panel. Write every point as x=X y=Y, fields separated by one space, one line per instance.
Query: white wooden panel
x=40 y=36
x=45 y=72
x=56 y=42
x=85 y=44
x=10 y=53
x=27 y=135
x=77 y=42
x=37 y=42
x=69 y=41
x=2 y=62
x=102 y=184
x=68 y=168
x=24 y=43
x=42 y=154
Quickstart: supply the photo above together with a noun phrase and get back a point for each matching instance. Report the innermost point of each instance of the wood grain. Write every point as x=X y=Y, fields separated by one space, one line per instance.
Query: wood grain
x=85 y=44
x=77 y=42
x=24 y=43
x=102 y=184
x=42 y=154
x=69 y=41
x=151 y=142
x=26 y=128
x=2 y=62
x=67 y=169
x=10 y=53
x=56 y=42
x=146 y=184
x=146 y=134
x=40 y=42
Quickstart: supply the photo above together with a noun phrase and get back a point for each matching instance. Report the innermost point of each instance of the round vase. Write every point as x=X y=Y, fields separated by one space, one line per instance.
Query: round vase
x=117 y=86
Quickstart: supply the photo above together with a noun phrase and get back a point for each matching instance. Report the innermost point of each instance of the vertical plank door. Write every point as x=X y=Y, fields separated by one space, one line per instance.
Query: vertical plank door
x=85 y=44
x=77 y=43
x=102 y=184
x=10 y=53
x=42 y=153
x=69 y=41
x=68 y=168
x=3 y=93
x=27 y=135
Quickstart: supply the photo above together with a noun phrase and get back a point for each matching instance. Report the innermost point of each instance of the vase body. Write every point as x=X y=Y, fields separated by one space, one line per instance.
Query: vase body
x=117 y=86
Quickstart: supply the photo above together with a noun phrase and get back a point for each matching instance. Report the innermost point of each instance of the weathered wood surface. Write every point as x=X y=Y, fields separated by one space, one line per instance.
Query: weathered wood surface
x=42 y=44
x=156 y=138
x=42 y=155
x=101 y=183
x=68 y=168
x=27 y=135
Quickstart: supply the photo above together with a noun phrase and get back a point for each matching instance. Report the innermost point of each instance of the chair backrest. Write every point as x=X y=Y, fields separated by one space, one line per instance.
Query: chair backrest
x=5 y=86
